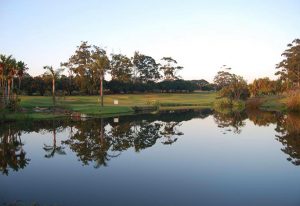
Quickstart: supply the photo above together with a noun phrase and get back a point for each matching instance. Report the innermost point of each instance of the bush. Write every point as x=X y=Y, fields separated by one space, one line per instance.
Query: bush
x=254 y=103
x=293 y=101
x=238 y=105
x=14 y=105
x=226 y=105
x=222 y=103
x=2 y=103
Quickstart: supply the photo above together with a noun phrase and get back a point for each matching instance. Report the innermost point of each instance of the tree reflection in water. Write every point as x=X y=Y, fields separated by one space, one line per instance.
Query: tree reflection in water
x=170 y=131
x=230 y=121
x=94 y=141
x=97 y=141
x=54 y=148
x=12 y=155
x=287 y=128
x=263 y=118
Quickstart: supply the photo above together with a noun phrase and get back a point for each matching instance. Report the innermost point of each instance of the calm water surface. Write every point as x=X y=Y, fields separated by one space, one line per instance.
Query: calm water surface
x=172 y=158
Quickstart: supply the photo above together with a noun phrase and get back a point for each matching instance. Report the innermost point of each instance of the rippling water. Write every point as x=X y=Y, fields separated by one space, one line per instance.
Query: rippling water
x=171 y=158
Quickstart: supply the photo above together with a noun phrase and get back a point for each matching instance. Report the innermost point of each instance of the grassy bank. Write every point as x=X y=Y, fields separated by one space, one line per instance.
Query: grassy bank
x=269 y=103
x=8 y=116
x=38 y=107
x=274 y=103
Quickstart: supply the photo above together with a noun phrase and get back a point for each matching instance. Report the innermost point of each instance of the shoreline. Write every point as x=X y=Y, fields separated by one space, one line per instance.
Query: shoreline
x=41 y=108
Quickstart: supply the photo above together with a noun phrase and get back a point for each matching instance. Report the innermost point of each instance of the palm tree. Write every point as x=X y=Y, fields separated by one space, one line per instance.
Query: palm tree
x=100 y=64
x=3 y=71
x=54 y=74
x=9 y=68
x=21 y=68
x=6 y=69
x=11 y=76
x=2 y=75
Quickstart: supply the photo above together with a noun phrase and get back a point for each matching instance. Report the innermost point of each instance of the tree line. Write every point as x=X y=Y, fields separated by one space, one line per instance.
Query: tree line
x=86 y=72
x=89 y=64
x=235 y=87
x=42 y=85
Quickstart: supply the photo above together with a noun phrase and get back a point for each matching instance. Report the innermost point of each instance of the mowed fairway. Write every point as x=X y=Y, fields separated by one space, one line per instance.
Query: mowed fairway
x=90 y=104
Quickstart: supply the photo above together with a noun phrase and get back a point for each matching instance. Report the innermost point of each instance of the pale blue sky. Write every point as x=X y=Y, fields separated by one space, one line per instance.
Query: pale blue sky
x=248 y=36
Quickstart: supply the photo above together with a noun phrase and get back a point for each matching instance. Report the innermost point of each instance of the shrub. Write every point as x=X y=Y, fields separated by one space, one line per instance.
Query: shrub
x=222 y=103
x=14 y=105
x=293 y=101
x=254 y=103
x=238 y=105
x=225 y=105
x=2 y=104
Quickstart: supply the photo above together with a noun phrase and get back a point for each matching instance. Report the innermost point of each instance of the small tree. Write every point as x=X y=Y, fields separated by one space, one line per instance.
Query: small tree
x=169 y=68
x=236 y=90
x=289 y=67
x=54 y=74
x=263 y=86
x=145 y=68
x=223 y=77
x=231 y=86
x=121 y=68
x=100 y=64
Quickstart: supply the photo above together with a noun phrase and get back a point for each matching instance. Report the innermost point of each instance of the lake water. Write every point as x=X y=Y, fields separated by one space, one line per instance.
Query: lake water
x=166 y=159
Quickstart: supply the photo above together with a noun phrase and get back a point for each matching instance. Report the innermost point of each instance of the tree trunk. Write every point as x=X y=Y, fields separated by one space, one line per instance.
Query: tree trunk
x=70 y=83
x=3 y=90
x=8 y=88
x=101 y=90
x=12 y=86
x=53 y=91
x=19 y=85
x=298 y=83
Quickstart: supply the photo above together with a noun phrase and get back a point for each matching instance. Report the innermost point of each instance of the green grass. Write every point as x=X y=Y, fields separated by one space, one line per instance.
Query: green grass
x=145 y=99
x=225 y=105
x=30 y=102
x=274 y=103
x=28 y=116
x=90 y=105
x=96 y=110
